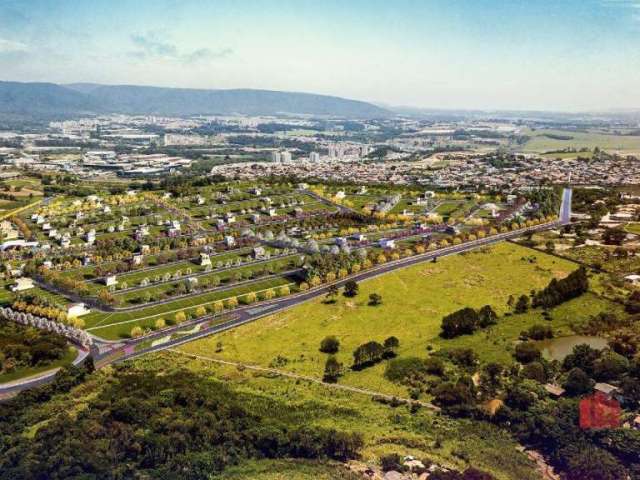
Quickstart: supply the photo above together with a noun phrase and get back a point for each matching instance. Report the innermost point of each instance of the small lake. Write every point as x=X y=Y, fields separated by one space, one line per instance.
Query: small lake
x=558 y=348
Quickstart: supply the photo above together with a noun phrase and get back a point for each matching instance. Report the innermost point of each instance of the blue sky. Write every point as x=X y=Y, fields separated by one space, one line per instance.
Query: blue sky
x=536 y=54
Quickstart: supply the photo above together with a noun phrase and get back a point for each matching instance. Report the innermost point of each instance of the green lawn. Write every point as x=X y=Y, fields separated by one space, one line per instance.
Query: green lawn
x=414 y=301
x=591 y=139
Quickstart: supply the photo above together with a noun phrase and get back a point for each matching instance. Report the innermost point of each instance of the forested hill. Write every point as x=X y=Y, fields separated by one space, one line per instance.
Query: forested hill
x=51 y=100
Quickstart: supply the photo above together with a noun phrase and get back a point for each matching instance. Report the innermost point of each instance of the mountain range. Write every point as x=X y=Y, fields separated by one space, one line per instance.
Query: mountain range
x=50 y=100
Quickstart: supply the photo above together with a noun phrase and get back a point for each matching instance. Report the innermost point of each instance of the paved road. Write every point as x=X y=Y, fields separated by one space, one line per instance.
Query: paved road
x=10 y=388
x=252 y=313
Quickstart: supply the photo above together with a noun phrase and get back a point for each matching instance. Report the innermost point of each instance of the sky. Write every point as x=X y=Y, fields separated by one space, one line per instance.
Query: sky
x=561 y=55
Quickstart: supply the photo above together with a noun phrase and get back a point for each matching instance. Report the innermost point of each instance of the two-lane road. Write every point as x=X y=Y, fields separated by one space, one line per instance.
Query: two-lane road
x=254 y=312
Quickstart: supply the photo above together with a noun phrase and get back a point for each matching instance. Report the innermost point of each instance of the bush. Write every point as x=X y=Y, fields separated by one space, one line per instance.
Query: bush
x=578 y=382
x=201 y=311
x=534 y=371
x=390 y=462
x=284 y=291
x=329 y=344
x=527 y=352
x=136 y=332
x=160 y=324
x=375 y=299
x=462 y=322
x=180 y=317
x=332 y=370
x=351 y=288
x=400 y=369
x=540 y=332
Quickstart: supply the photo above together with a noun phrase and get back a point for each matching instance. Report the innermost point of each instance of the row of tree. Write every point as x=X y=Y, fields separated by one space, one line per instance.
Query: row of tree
x=467 y=320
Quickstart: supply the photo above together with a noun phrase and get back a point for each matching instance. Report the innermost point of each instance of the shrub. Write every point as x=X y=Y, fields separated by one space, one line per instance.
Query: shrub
x=375 y=299
x=577 y=382
x=527 y=352
x=329 y=344
x=180 y=317
x=136 y=332
x=400 y=369
x=201 y=311
x=284 y=291
x=160 y=323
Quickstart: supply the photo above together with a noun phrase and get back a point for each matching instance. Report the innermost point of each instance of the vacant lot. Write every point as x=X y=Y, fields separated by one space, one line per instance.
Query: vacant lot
x=545 y=140
x=414 y=301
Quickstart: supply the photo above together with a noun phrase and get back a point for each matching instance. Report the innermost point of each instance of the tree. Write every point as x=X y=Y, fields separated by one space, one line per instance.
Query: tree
x=136 y=332
x=332 y=370
x=391 y=344
x=332 y=293
x=450 y=394
x=522 y=305
x=329 y=344
x=610 y=366
x=89 y=364
x=201 y=311
x=461 y=322
x=180 y=317
x=527 y=352
x=160 y=323
x=586 y=462
x=550 y=246
x=375 y=299
x=367 y=354
x=487 y=317
x=534 y=371
x=351 y=288
x=582 y=356
x=577 y=382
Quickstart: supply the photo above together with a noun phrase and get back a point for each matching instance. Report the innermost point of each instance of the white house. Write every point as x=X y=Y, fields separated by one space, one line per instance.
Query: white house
x=205 y=259
x=229 y=241
x=633 y=279
x=22 y=283
x=387 y=243
x=111 y=280
x=76 y=310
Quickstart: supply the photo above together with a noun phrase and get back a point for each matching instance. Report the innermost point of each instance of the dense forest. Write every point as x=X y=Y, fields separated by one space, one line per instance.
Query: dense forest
x=147 y=424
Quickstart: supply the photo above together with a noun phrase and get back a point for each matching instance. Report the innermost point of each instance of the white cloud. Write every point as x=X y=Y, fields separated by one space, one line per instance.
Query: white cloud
x=154 y=45
x=10 y=46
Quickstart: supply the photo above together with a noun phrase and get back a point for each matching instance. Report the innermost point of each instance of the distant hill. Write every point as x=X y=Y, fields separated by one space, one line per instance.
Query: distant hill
x=51 y=100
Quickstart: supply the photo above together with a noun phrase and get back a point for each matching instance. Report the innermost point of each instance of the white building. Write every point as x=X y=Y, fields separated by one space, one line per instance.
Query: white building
x=285 y=157
x=22 y=283
x=76 y=309
x=314 y=157
x=387 y=243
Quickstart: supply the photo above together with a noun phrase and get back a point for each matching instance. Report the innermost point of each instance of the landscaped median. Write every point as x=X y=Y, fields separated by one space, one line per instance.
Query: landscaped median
x=119 y=325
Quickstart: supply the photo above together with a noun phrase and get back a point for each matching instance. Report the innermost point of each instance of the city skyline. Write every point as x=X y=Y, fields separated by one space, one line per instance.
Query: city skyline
x=561 y=56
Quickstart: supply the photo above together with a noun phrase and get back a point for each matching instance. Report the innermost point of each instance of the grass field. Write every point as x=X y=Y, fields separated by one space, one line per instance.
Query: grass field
x=449 y=442
x=414 y=301
x=541 y=143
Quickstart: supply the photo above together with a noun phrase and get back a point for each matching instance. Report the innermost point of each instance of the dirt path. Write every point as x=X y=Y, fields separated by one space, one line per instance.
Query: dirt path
x=281 y=373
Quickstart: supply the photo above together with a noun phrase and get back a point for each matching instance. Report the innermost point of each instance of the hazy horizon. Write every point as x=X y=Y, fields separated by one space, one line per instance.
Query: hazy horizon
x=567 y=56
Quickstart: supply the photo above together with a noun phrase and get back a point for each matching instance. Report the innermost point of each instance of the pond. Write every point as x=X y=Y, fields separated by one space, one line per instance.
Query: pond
x=558 y=348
